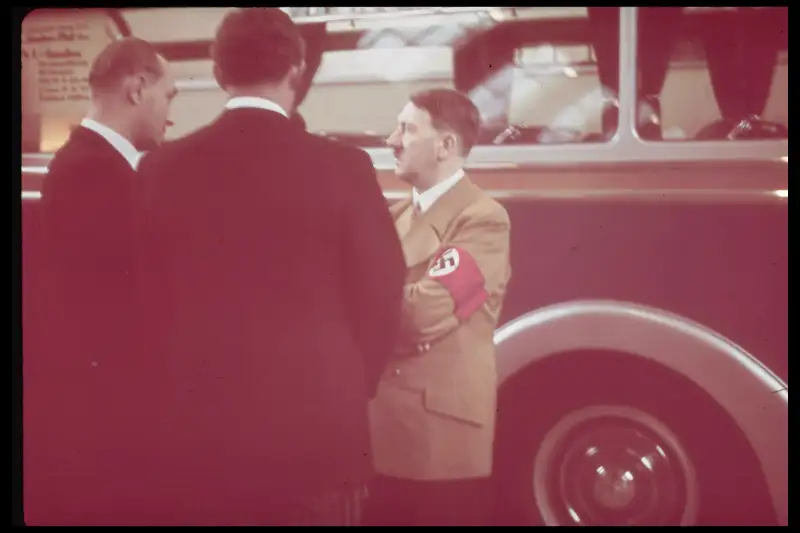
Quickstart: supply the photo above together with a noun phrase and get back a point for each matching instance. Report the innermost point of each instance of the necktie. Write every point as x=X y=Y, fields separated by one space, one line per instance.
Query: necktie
x=415 y=211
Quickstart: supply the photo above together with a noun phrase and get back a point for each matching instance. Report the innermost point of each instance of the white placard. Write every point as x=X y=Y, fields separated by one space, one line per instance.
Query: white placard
x=58 y=47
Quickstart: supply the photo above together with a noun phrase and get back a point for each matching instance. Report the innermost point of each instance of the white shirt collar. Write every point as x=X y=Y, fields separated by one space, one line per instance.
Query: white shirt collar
x=426 y=199
x=255 y=102
x=120 y=143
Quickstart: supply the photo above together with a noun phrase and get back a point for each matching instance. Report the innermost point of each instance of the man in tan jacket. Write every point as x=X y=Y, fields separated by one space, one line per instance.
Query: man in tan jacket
x=432 y=421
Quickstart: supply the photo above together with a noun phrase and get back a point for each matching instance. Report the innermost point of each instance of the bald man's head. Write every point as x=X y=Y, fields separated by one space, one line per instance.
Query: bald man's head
x=123 y=59
x=134 y=84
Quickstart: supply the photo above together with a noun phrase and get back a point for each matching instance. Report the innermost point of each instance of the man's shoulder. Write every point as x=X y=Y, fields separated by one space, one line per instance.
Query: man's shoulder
x=486 y=209
x=337 y=149
x=76 y=161
x=316 y=150
x=188 y=141
x=173 y=150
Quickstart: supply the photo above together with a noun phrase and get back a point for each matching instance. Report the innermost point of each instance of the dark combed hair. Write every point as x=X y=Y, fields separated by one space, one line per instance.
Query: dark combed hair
x=257 y=45
x=451 y=110
x=123 y=58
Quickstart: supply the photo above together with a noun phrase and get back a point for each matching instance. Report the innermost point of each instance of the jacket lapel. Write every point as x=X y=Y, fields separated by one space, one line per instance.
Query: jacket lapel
x=424 y=239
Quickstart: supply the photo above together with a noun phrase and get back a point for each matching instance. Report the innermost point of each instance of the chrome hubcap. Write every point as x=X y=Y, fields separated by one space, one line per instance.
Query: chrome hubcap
x=614 y=490
x=614 y=466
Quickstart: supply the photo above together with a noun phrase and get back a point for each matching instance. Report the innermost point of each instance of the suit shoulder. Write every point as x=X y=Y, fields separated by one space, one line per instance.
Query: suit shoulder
x=172 y=150
x=70 y=162
x=487 y=209
x=186 y=142
x=339 y=150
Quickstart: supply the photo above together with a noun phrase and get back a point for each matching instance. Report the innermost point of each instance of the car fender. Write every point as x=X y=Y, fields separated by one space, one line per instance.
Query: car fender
x=755 y=397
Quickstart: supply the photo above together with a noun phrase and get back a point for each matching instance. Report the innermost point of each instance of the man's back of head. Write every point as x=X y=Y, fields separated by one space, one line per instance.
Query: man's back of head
x=259 y=52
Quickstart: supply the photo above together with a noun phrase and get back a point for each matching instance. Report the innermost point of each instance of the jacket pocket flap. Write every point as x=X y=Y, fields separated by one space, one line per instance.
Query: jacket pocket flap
x=459 y=407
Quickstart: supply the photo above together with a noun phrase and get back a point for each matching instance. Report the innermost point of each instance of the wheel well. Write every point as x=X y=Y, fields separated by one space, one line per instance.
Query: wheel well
x=546 y=390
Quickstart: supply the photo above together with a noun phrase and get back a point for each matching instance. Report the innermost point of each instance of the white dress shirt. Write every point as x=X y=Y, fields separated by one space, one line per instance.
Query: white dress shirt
x=120 y=143
x=423 y=201
x=238 y=102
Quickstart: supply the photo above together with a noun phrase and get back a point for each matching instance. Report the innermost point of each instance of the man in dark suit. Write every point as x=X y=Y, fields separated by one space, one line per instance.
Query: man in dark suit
x=77 y=402
x=273 y=296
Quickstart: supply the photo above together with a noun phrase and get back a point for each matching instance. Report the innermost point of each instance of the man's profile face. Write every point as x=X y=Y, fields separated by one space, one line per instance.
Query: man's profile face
x=158 y=93
x=415 y=143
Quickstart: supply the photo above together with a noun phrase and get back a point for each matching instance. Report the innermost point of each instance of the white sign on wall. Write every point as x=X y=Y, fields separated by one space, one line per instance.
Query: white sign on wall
x=57 y=52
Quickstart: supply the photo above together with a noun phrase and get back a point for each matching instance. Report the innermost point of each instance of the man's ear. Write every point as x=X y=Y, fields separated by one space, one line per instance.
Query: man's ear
x=219 y=77
x=449 y=144
x=134 y=87
x=217 y=71
x=295 y=75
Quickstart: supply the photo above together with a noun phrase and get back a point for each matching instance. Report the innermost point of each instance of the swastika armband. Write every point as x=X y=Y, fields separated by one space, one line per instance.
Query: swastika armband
x=458 y=272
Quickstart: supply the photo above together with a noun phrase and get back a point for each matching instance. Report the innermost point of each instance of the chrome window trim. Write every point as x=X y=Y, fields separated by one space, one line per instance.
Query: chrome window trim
x=618 y=150
x=623 y=148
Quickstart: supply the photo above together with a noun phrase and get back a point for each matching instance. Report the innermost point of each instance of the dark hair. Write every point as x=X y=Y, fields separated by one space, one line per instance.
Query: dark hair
x=256 y=45
x=451 y=110
x=123 y=58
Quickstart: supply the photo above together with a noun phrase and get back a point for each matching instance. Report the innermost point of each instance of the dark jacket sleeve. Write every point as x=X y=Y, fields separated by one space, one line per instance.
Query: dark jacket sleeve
x=83 y=201
x=374 y=270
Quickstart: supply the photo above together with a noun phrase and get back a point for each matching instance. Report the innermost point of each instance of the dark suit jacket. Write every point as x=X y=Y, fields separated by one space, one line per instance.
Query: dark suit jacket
x=80 y=381
x=88 y=221
x=274 y=281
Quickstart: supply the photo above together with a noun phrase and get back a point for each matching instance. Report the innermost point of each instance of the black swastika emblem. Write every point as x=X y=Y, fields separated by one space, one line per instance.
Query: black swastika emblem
x=446 y=264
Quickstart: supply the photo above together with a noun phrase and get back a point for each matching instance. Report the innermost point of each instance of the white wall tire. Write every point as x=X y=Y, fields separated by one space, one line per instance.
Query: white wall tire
x=634 y=469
